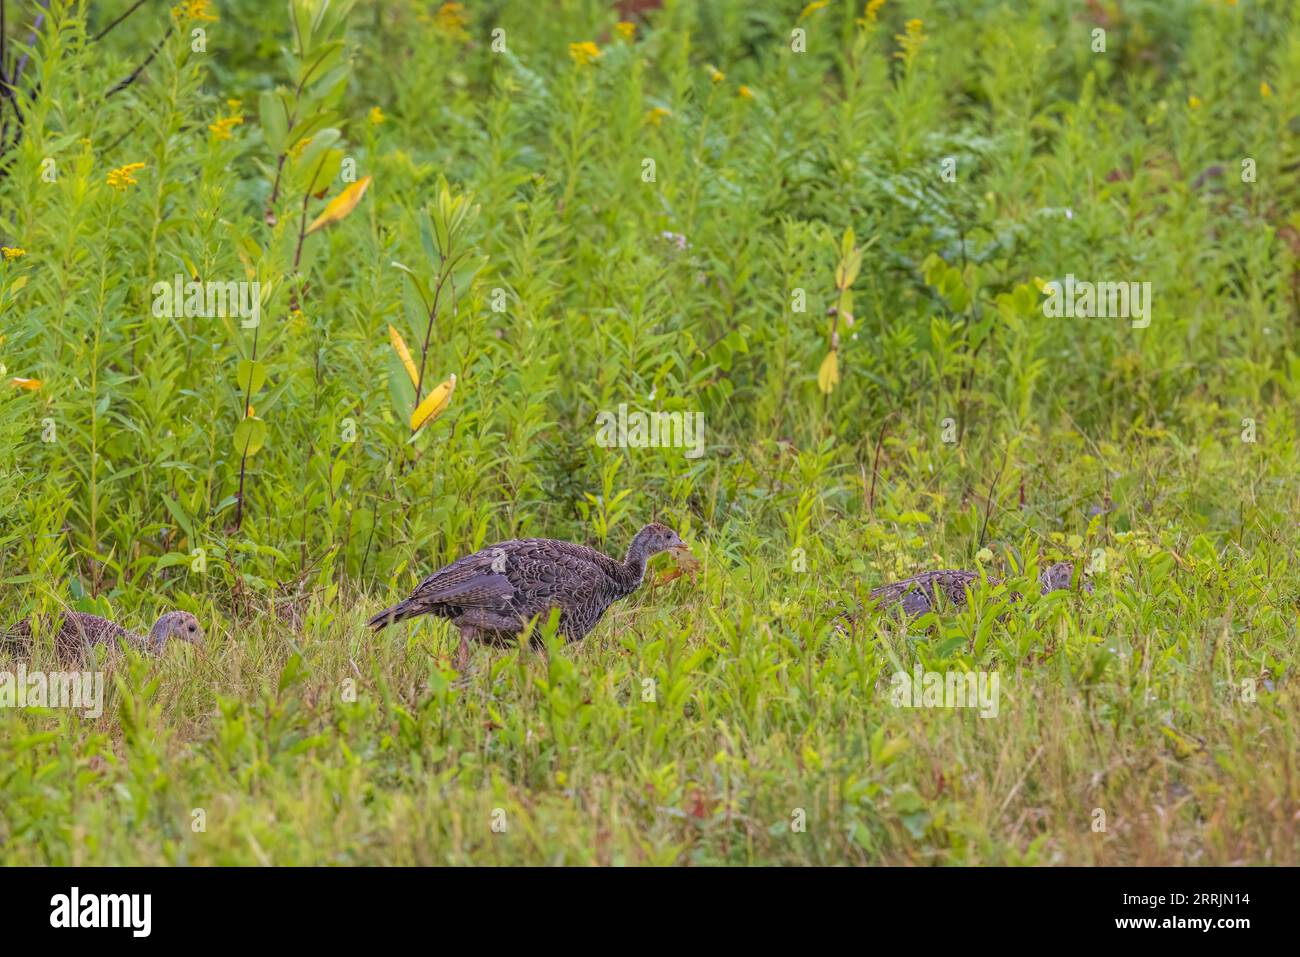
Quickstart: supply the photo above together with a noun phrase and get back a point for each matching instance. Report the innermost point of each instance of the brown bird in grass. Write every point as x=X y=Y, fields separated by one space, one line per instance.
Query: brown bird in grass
x=919 y=594
x=77 y=632
x=491 y=595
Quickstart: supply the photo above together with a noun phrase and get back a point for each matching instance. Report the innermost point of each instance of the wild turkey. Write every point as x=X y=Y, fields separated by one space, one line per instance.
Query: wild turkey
x=492 y=594
x=78 y=632
x=918 y=594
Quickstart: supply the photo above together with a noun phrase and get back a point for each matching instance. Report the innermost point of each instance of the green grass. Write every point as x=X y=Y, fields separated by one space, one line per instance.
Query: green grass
x=708 y=716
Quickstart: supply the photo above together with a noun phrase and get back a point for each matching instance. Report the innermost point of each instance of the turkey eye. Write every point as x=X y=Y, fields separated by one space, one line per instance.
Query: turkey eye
x=191 y=627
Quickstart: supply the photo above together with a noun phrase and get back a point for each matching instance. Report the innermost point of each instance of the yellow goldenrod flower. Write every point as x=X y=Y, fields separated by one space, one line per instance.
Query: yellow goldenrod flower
x=655 y=117
x=376 y=116
x=1194 y=102
x=12 y=252
x=123 y=176
x=873 y=7
x=584 y=53
x=626 y=29
x=813 y=8
x=296 y=149
x=911 y=41
x=716 y=75
x=221 y=128
x=234 y=105
x=450 y=20
x=745 y=92
x=1264 y=89
x=194 y=10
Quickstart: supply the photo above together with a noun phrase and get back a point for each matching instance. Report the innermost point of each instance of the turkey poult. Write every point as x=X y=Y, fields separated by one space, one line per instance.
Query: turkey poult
x=918 y=594
x=491 y=595
x=78 y=632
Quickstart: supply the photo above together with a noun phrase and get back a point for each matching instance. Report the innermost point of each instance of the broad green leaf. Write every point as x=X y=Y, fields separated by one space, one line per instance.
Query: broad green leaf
x=250 y=436
x=251 y=377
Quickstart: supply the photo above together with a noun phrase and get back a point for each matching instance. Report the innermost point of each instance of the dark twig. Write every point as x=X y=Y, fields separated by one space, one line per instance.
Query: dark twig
x=243 y=458
x=104 y=32
x=117 y=142
x=135 y=74
x=875 y=467
x=988 y=503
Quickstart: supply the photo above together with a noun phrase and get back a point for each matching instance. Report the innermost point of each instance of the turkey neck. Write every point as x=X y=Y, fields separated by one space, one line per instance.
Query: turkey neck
x=632 y=570
x=156 y=638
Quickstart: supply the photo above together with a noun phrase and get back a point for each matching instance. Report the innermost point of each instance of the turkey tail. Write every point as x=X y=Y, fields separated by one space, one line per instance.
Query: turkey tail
x=390 y=616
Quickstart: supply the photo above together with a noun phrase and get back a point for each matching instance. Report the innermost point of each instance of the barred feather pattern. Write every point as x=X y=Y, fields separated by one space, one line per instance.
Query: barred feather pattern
x=920 y=593
x=497 y=590
x=78 y=632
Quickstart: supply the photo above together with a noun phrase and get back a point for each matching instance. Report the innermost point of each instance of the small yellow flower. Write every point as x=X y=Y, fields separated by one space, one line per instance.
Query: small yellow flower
x=234 y=105
x=745 y=92
x=296 y=149
x=221 y=128
x=1194 y=102
x=1264 y=89
x=911 y=41
x=584 y=53
x=376 y=116
x=626 y=29
x=656 y=116
x=716 y=75
x=123 y=176
x=194 y=10
x=450 y=20
x=12 y=252
x=873 y=7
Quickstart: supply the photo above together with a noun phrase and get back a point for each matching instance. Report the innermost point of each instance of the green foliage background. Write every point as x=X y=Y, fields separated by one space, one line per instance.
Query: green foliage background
x=1080 y=438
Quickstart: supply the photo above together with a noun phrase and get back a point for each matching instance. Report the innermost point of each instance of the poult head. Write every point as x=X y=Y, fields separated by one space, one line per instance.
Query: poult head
x=653 y=539
x=180 y=625
x=1059 y=577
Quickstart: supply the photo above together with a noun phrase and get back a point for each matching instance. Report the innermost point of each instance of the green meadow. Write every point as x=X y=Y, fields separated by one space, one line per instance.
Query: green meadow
x=301 y=301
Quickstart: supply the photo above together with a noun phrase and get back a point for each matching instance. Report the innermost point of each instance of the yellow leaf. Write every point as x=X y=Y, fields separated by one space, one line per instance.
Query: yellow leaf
x=433 y=403
x=893 y=749
x=340 y=205
x=31 y=385
x=828 y=376
x=399 y=346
